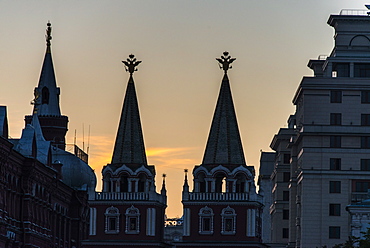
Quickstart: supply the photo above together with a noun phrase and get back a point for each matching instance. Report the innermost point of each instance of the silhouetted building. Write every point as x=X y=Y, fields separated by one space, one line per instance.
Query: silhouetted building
x=128 y=212
x=40 y=204
x=327 y=143
x=223 y=209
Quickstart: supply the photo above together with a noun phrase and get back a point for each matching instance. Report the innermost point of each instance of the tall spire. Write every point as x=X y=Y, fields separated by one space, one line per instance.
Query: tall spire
x=224 y=145
x=47 y=90
x=129 y=147
x=46 y=102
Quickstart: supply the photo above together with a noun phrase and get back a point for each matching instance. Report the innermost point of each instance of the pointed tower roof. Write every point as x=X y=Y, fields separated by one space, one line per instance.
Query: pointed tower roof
x=224 y=145
x=129 y=147
x=47 y=90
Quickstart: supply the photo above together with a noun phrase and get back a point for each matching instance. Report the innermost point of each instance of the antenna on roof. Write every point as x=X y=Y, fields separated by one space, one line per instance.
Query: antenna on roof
x=88 y=142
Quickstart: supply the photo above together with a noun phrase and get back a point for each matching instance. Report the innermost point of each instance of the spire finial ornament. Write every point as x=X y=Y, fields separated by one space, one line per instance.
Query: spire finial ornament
x=131 y=63
x=225 y=61
x=48 y=36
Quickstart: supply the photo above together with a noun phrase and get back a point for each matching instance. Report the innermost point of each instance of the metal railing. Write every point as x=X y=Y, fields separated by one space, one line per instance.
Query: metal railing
x=218 y=196
x=355 y=12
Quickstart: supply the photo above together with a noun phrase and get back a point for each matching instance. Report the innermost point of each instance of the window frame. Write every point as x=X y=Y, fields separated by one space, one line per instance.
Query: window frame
x=111 y=214
x=228 y=215
x=205 y=213
x=335 y=164
x=336 y=96
x=334 y=209
x=132 y=214
x=335 y=187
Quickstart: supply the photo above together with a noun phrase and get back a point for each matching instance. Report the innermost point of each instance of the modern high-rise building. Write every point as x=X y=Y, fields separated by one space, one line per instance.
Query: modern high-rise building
x=322 y=159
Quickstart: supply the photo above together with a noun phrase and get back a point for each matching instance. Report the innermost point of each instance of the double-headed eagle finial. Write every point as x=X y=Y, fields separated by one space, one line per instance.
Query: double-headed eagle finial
x=48 y=34
x=131 y=63
x=225 y=61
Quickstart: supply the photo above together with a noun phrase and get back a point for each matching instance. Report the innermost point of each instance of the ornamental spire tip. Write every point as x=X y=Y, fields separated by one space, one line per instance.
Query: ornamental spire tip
x=225 y=61
x=48 y=36
x=131 y=63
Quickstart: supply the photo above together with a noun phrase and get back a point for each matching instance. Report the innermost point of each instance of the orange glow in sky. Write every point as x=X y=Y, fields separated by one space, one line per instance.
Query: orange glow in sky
x=178 y=81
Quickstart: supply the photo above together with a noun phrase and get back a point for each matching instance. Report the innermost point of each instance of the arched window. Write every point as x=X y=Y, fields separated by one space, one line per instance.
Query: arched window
x=124 y=183
x=107 y=184
x=201 y=182
x=206 y=220
x=220 y=183
x=112 y=220
x=45 y=95
x=132 y=220
x=240 y=183
x=228 y=221
x=142 y=183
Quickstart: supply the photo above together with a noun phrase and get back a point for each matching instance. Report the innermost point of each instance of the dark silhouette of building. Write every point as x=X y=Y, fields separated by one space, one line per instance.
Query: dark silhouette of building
x=128 y=212
x=223 y=209
x=41 y=205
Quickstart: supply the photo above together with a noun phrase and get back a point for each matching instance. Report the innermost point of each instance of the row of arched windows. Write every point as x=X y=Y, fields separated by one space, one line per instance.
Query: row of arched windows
x=221 y=183
x=126 y=183
x=132 y=223
x=228 y=224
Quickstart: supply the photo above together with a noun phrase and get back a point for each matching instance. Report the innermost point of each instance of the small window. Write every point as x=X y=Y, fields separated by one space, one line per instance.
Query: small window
x=336 y=96
x=132 y=220
x=286 y=159
x=335 y=119
x=334 y=232
x=341 y=69
x=285 y=214
x=365 y=119
x=361 y=187
x=45 y=95
x=334 y=209
x=228 y=221
x=285 y=195
x=112 y=220
x=365 y=164
x=362 y=70
x=335 y=164
x=335 y=141
x=365 y=142
x=334 y=187
x=365 y=96
x=285 y=233
x=286 y=176
x=206 y=220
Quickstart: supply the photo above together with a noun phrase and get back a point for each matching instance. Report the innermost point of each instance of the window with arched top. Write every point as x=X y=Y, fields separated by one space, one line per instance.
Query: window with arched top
x=45 y=95
x=132 y=220
x=112 y=220
x=206 y=220
x=240 y=185
x=228 y=221
x=201 y=182
x=220 y=183
x=123 y=181
x=142 y=183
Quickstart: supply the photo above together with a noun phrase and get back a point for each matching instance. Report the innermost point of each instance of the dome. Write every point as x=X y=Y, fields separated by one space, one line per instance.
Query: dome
x=76 y=173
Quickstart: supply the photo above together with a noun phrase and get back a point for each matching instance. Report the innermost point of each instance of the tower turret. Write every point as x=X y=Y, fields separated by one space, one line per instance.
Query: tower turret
x=46 y=102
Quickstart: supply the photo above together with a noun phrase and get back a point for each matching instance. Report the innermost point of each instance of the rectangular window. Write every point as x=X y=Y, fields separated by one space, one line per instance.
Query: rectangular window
x=365 y=142
x=336 y=96
x=112 y=223
x=228 y=225
x=335 y=164
x=206 y=224
x=285 y=214
x=362 y=70
x=365 y=96
x=335 y=141
x=335 y=119
x=132 y=224
x=286 y=176
x=361 y=186
x=285 y=233
x=334 y=187
x=365 y=164
x=365 y=119
x=334 y=209
x=285 y=195
x=334 y=232
x=286 y=159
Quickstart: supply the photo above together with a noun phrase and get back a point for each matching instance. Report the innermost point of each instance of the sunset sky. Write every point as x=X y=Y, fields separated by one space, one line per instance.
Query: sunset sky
x=179 y=79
